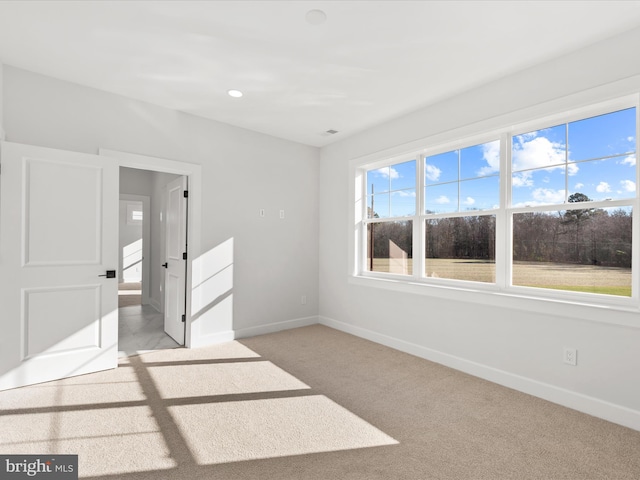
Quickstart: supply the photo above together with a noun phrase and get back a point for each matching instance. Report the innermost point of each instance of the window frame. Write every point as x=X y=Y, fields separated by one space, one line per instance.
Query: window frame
x=493 y=293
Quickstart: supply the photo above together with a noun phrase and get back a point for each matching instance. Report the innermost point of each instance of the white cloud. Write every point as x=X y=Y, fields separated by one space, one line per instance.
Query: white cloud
x=630 y=139
x=404 y=193
x=578 y=186
x=522 y=179
x=491 y=155
x=526 y=136
x=548 y=195
x=442 y=199
x=628 y=185
x=603 y=187
x=432 y=172
x=469 y=201
x=537 y=152
x=387 y=172
x=630 y=160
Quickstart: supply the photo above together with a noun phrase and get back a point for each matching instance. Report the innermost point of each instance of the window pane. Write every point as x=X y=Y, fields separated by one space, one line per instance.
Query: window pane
x=603 y=136
x=480 y=194
x=480 y=160
x=461 y=248
x=441 y=168
x=403 y=203
x=389 y=247
x=403 y=175
x=603 y=179
x=441 y=198
x=584 y=250
x=539 y=149
x=538 y=187
x=378 y=180
x=378 y=206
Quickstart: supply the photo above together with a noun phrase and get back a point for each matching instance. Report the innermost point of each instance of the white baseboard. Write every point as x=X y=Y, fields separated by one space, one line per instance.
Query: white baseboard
x=213 y=338
x=576 y=401
x=155 y=304
x=276 y=327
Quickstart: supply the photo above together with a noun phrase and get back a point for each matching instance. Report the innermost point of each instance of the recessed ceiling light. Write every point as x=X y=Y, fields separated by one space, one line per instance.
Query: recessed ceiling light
x=235 y=93
x=316 y=17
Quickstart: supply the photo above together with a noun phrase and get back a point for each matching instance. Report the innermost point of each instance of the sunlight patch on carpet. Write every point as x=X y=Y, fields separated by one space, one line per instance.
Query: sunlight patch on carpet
x=174 y=381
x=220 y=351
x=256 y=429
x=118 y=432
x=102 y=387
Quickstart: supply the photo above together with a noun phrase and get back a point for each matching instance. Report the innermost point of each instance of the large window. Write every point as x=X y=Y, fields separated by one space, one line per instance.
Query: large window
x=549 y=208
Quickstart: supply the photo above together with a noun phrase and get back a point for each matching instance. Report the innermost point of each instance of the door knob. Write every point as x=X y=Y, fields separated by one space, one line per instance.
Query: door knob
x=109 y=274
x=165 y=265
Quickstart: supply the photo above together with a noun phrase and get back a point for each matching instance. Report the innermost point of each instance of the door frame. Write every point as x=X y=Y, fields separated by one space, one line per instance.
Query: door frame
x=146 y=240
x=193 y=172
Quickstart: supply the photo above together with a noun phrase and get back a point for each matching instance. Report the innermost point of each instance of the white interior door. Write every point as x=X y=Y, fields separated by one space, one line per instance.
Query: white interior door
x=176 y=248
x=58 y=237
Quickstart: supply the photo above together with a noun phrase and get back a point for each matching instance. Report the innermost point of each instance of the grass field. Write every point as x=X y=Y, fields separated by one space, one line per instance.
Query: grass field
x=557 y=276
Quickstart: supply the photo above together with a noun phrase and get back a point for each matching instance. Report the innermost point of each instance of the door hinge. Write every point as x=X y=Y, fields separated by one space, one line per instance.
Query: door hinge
x=184 y=256
x=184 y=318
x=186 y=194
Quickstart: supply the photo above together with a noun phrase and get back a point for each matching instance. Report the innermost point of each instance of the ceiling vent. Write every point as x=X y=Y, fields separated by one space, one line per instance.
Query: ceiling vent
x=330 y=132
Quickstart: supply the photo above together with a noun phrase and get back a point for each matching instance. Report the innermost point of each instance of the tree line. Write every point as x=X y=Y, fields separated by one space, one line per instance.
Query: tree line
x=586 y=236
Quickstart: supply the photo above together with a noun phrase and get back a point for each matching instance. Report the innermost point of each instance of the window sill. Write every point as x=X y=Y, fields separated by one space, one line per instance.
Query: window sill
x=621 y=312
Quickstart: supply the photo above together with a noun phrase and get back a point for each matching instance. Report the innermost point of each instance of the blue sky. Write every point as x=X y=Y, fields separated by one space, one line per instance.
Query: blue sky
x=601 y=160
x=594 y=156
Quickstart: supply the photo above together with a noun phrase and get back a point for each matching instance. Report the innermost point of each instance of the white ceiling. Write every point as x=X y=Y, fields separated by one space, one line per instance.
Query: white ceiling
x=369 y=62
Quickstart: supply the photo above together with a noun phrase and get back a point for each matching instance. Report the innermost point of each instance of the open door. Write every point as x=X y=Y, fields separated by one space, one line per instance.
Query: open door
x=175 y=260
x=58 y=254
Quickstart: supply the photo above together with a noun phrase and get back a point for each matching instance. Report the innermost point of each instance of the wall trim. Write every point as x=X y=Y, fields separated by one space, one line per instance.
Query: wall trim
x=583 y=403
x=276 y=327
x=212 y=339
x=155 y=304
x=229 y=335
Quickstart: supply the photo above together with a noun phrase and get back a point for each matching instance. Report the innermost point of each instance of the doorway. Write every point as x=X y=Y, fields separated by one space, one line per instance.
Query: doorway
x=142 y=245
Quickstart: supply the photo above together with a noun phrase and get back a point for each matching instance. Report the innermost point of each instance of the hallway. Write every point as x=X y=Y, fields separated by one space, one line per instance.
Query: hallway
x=140 y=327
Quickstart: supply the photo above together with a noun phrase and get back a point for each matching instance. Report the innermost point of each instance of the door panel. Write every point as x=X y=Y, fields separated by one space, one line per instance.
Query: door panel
x=58 y=234
x=42 y=336
x=75 y=212
x=176 y=246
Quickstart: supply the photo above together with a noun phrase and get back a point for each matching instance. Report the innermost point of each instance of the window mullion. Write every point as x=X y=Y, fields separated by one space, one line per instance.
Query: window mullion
x=566 y=162
x=503 y=217
x=635 y=225
x=418 y=222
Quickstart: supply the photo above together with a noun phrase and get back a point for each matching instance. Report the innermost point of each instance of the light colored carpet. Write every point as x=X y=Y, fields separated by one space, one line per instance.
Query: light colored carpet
x=309 y=403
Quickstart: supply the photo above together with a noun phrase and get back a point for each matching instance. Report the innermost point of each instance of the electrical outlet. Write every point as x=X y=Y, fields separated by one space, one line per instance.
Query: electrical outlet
x=570 y=356
x=303 y=300
x=262 y=212
x=281 y=213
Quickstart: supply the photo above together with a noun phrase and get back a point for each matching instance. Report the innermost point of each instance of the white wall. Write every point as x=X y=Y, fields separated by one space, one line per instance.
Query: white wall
x=275 y=261
x=509 y=343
